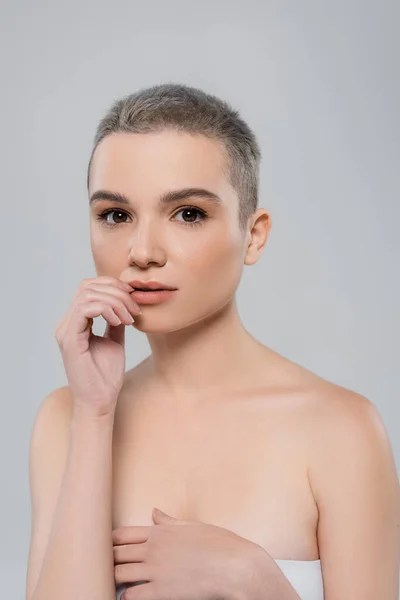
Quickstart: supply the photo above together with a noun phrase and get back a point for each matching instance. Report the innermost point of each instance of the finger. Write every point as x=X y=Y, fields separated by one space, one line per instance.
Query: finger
x=85 y=312
x=118 y=305
x=147 y=591
x=106 y=280
x=120 y=287
x=122 y=294
x=80 y=318
x=116 y=333
x=131 y=534
x=132 y=573
x=129 y=553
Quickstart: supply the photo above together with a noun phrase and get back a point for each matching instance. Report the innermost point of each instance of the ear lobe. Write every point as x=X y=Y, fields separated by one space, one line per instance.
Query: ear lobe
x=251 y=254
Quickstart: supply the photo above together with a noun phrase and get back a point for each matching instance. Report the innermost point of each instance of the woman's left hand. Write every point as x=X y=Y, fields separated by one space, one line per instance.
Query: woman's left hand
x=183 y=560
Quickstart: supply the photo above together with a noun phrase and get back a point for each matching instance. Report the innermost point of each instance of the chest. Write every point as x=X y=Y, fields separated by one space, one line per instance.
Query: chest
x=243 y=469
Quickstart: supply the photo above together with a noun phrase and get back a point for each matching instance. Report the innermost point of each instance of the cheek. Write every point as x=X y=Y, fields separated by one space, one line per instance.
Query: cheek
x=217 y=268
x=107 y=256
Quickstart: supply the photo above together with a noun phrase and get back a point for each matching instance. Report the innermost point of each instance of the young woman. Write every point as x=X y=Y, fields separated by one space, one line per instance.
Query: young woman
x=275 y=483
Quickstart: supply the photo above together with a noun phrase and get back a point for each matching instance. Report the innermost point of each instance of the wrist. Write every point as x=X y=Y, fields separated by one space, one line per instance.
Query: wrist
x=93 y=414
x=264 y=579
x=257 y=575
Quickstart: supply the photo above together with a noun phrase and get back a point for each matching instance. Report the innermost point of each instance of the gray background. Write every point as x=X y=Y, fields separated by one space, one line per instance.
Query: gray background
x=319 y=83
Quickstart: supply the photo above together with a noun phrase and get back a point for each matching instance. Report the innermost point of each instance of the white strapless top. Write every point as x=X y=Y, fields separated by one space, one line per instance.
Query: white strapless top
x=304 y=575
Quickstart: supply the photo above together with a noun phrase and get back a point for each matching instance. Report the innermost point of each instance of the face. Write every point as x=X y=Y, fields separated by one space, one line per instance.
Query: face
x=193 y=244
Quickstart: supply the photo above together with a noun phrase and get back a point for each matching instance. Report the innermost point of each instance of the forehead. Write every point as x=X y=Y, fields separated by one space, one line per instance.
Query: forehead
x=140 y=162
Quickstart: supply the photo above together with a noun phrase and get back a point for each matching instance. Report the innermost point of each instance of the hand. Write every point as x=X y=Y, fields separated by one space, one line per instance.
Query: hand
x=95 y=365
x=181 y=560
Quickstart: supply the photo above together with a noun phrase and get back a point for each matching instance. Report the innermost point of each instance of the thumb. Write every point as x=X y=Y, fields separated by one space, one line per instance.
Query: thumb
x=116 y=333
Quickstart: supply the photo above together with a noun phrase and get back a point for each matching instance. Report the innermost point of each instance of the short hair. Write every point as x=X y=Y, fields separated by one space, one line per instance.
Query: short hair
x=188 y=109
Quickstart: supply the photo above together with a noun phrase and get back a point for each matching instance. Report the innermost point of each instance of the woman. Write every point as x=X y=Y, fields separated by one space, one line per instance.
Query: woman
x=274 y=482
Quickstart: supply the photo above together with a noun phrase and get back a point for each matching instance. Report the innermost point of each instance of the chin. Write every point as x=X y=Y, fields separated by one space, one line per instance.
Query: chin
x=150 y=325
x=153 y=323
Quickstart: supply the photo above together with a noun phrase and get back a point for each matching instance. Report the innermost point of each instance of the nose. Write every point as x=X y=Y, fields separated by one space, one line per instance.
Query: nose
x=145 y=245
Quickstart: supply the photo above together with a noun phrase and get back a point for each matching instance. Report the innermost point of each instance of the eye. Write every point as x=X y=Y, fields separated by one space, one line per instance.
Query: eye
x=103 y=217
x=190 y=212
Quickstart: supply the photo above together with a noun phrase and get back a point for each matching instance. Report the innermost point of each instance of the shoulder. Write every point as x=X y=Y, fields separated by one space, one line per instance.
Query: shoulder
x=50 y=431
x=353 y=478
x=48 y=446
x=348 y=448
x=333 y=417
x=56 y=407
x=345 y=438
x=342 y=420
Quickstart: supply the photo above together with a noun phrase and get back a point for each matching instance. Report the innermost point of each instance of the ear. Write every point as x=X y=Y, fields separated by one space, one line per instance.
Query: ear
x=257 y=236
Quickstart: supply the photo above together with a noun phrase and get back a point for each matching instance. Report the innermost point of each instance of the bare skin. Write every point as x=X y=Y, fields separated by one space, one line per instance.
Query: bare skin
x=239 y=460
x=258 y=459
x=214 y=426
x=212 y=421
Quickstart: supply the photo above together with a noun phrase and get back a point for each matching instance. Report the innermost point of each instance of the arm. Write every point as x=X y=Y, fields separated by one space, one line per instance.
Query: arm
x=355 y=484
x=71 y=554
x=263 y=580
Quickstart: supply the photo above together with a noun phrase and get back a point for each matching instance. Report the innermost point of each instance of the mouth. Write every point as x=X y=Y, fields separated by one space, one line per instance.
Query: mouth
x=150 y=296
x=149 y=289
x=146 y=286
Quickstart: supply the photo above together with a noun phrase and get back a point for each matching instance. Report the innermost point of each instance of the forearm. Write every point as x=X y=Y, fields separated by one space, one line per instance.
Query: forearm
x=78 y=563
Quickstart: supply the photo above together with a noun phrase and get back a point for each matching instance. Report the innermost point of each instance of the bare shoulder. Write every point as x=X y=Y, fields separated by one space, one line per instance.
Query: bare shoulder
x=346 y=436
x=353 y=478
x=340 y=415
x=337 y=424
x=50 y=434
x=47 y=456
x=55 y=409
x=325 y=403
x=49 y=439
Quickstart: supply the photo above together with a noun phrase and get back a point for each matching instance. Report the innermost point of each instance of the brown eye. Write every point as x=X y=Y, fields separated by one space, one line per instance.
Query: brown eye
x=118 y=213
x=190 y=213
x=104 y=220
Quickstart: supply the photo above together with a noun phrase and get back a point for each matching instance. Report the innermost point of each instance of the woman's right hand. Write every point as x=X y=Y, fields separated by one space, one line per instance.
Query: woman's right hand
x=95 y=365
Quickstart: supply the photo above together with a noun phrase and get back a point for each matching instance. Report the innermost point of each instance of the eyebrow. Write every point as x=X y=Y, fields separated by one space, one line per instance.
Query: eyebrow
x=169 y=197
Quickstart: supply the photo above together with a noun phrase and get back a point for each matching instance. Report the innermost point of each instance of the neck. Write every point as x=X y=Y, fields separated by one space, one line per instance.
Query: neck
x=209 y=355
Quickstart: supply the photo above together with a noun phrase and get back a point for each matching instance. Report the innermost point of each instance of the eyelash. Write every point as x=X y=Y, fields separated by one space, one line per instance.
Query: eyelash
x=103 y=216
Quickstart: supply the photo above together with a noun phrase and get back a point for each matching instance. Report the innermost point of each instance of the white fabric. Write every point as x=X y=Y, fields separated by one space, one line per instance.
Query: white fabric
x=304 y=575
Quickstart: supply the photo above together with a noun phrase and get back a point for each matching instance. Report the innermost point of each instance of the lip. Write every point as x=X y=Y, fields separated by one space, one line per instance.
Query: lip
x=152 y=285
x=152 y=297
